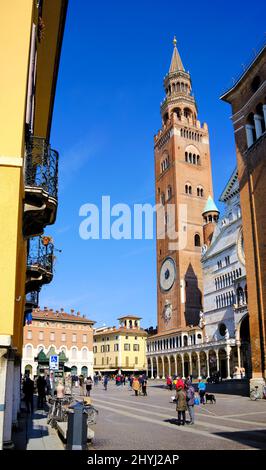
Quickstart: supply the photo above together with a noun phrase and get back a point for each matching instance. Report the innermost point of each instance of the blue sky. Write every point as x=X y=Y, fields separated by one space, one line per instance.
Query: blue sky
x=107 y=110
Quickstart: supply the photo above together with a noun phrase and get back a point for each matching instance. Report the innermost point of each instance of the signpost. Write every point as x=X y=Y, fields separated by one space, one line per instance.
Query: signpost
x=54 y=362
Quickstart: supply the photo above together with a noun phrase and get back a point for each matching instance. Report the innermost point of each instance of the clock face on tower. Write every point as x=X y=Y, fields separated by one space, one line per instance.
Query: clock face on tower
x=167 y=274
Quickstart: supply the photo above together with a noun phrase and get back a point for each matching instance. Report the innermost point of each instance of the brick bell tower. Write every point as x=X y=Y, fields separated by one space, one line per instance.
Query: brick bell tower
x=183 y=176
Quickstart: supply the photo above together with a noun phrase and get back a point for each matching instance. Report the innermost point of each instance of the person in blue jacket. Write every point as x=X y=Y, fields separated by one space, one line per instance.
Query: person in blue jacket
x=202 y=390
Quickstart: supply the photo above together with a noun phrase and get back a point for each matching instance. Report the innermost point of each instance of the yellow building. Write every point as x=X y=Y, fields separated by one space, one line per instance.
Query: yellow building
x=120 y=349
x=31 y=35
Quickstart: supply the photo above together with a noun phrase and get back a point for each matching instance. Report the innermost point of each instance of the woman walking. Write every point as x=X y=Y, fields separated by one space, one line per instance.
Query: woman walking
x=136 y=386
x=88 y=386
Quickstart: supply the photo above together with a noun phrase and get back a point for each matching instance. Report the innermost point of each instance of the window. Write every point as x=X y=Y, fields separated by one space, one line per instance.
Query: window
x=116 y=347
x=74 y=353
x=29 y=351
x=84 y=338
x=188 y=188
x=136 y=360
x=41 y=335
x=200 y=191
x=197 y=240
x=135 y=347
x=219 y=264
x=136 y=338
x=29 y=335
x=63 y=337
x=95 y=349
x=227 y=260
x=117 y=337
x=102 y=348
x=74 y=338
x=102 y=361
x=126 y=347
x=84 y=353
x=169 y=192
x=52 y=336
x=107 y=348
x=95 y=361
x=222 y=329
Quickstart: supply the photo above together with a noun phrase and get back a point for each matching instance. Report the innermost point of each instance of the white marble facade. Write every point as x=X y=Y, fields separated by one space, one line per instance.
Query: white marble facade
x=225 y=317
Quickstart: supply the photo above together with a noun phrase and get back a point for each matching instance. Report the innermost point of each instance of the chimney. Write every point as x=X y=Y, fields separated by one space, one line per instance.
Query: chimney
x=61 y=309
x=72 y=311
x=45 y=308
x=78 y=314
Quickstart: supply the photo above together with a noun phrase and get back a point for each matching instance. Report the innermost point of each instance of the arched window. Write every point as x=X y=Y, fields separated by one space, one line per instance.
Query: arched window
x=84 y=353
x=188 y=188
x=186 y=156
x=190 y=157
x=194 y=159
x=197 y=240
x=29 y=350
x=74 y=353
x=163 y=199
x=185 y=340
x=169 y=192
x=198 y=159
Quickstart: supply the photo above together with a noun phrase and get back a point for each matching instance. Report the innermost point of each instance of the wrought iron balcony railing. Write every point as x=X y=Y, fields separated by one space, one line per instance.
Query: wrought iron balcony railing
x=41 y=254
x=41 y=166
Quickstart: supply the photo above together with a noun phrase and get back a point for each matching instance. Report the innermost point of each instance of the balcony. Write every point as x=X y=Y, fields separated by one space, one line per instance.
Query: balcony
x=39 y=263
x=41 y=185
x=32 y=301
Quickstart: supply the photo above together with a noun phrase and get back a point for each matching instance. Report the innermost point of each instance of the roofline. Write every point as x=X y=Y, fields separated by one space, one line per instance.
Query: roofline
x=233 y=174
x=244 y=73
x=63 y=320
x=130 y=316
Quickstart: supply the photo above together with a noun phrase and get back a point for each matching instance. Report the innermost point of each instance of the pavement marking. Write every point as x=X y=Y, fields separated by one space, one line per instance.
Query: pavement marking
x=224 y=418
x=207 y=424
x=249 y=443
x=245 y=414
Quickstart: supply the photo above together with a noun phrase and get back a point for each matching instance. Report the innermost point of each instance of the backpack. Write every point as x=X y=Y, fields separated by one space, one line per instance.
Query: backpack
x=190 y=393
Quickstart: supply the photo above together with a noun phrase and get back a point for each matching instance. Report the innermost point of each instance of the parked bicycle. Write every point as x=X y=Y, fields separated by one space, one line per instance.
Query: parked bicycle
x=58 y=410
x=255 y=394
x=92 y=413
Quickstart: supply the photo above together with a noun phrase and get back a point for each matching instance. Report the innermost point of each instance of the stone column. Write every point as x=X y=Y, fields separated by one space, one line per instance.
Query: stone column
x=7 y=442
x=208 y=364
x=183 y=369
x=249 y=133
x=264 y=113
x=152 y=368
x=169 y=365
x=198 y=357
x=157 y=366
x=238 y=344
x=258 y=127
x=228 y=350
x=217 y=360
x=3 y=371
x=163 y=377
x=190 y=363
x=175 y=365
x=16 y=391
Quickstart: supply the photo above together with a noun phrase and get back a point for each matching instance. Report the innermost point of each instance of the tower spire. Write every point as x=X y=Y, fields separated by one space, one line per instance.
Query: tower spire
x=176 y=62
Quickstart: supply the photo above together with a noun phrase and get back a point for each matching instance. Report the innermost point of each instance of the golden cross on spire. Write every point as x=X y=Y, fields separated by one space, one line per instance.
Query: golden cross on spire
x=174 y=41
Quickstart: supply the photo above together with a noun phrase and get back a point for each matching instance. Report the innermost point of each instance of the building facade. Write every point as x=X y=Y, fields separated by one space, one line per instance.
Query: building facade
x=58 y=332
x=183 y=183
x=247 y=98
x=31 y=36
x=225 y=321
x=120 y=349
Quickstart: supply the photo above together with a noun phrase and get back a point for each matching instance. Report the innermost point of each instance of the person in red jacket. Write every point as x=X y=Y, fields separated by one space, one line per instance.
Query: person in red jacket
x=180 y=383
x=169 y=382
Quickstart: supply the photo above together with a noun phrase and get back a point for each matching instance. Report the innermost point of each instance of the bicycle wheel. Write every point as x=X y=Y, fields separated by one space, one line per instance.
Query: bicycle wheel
x=253 y=395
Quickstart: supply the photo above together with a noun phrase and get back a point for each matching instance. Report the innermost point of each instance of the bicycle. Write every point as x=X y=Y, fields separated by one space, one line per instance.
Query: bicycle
x=58 y=410
x=92 y=413
x=255 y=394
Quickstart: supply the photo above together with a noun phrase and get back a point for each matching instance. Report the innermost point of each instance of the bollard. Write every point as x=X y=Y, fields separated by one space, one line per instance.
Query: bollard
x=77 y=428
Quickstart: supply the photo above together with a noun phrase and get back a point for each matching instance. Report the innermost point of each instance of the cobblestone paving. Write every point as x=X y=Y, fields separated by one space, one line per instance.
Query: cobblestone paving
x=147 y=423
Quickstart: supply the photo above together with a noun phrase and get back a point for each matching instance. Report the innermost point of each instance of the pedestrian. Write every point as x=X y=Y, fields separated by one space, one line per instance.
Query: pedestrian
x=202 y=391
x=190 y=396
x=95 y=379
x=179 y=382
x=136 y=386
x=81 y=384
x=60 y=389
x=105 y=382
x=88 y=386
x=169 y=382
x=28 y=389
x=41 y=390
x=144 y=387
x=181 y=405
